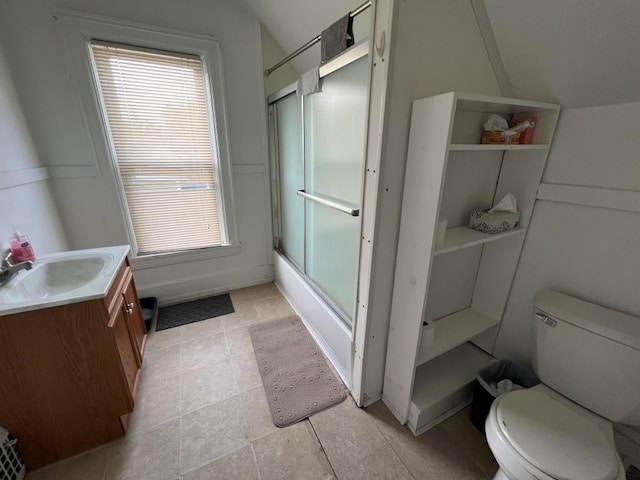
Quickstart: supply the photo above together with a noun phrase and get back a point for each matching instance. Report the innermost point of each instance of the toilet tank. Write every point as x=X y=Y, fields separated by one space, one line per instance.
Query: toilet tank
x=590 y=354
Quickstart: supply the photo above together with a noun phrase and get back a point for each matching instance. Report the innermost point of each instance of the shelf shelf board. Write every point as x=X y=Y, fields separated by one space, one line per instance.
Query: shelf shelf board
x=472 y=147
x=454 y=330
x=458 y=238
x=440 y=379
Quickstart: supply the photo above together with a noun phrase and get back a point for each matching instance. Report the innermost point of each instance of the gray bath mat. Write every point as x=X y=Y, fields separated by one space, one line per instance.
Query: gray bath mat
x=190 y=312
x=296 y=377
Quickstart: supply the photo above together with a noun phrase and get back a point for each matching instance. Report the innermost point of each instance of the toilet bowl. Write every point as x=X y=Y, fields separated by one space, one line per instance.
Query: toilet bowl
x=535 y=434
x=587 y=357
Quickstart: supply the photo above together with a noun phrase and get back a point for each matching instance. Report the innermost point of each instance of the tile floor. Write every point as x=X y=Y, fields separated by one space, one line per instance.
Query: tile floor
x=201 y=414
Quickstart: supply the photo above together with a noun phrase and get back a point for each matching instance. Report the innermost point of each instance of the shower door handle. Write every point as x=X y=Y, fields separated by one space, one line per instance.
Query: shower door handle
x=354 y=212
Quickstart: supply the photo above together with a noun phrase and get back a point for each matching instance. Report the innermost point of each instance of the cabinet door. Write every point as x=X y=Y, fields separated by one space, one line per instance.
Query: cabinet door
x=128 y=358
x=134 y=316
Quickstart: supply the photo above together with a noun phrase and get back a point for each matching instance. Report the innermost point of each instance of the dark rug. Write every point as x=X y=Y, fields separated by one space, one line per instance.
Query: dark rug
x=191 y=312
x=296 y=378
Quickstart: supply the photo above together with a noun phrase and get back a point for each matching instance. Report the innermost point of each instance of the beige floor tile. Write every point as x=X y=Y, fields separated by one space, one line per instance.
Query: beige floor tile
x=257 y=292
x=201 y=329
x=153 y=455
x=206 y=385
x=245 y=368
x=273 y=308
x=434 y=454
x=90 y=465
x=156 y=402
x=381 y=464
x=202 y=352
x=242 y=318
x=239 y=341
x=158 y=363
x=474 y=443
x=348 y=434
x=292 y=453
x=240 y=297
x=163 y=339
x=257 y=414
x=212 y=432
x=240 y=465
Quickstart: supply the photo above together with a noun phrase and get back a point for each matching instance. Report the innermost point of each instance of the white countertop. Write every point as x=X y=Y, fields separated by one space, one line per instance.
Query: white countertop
x=106 y=261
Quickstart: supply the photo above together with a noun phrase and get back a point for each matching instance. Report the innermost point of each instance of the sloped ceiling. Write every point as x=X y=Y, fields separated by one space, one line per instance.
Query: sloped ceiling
x=294 y=22
x=574 y=52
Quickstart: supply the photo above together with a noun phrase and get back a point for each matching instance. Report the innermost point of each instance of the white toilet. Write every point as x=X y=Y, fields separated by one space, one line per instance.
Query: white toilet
x=588 y=359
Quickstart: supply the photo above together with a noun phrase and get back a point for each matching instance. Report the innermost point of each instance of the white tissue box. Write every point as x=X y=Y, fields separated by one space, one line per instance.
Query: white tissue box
x=496 y=222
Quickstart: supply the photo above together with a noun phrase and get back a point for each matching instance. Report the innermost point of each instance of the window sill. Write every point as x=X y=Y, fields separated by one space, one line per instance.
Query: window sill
x=174 y=258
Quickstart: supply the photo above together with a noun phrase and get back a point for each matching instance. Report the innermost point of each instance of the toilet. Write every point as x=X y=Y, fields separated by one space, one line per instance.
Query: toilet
x=588 y=359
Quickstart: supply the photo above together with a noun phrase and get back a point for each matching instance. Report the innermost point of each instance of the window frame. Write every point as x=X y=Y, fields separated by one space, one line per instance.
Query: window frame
x=76 y=32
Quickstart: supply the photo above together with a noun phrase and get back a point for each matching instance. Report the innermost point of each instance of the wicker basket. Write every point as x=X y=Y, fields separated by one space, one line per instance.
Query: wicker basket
x=11 y=463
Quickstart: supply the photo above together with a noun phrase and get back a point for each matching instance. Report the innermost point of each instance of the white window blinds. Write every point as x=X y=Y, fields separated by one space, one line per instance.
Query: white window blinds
x=158 y=122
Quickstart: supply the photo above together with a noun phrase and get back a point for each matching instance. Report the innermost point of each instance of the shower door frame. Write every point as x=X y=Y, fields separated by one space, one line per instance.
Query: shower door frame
x=347 y=319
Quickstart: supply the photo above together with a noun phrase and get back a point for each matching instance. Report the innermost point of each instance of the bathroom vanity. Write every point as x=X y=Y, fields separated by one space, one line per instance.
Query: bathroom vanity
x=71 y=346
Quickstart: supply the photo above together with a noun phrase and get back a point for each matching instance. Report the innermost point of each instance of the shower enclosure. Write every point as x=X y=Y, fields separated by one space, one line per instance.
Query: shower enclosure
x=318 y=148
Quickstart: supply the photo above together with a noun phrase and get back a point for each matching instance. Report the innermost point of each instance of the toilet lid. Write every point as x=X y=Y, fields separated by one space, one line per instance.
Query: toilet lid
x=555 y=439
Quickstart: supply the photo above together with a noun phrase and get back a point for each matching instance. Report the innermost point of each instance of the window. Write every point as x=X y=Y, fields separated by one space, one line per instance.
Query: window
x=161 y=129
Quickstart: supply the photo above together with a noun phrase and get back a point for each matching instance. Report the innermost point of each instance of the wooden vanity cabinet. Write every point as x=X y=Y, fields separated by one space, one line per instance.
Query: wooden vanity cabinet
x=68 y=374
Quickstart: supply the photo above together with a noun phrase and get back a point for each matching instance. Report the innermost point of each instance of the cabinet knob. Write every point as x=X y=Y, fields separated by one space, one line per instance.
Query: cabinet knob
x=129 y=308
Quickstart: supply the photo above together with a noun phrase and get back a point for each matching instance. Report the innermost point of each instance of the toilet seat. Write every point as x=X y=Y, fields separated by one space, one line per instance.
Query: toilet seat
x=535 y=436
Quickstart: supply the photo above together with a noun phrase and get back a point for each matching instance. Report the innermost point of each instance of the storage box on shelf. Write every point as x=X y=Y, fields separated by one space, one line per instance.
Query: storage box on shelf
x=462 y=284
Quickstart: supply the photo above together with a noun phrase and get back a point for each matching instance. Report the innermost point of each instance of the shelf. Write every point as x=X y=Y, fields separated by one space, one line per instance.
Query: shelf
x=458 y=238
x=472 y=147
x=454 y=330
x=443 y=385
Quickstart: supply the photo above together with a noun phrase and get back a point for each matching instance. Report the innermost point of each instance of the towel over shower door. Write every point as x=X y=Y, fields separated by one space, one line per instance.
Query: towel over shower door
x=320 y=190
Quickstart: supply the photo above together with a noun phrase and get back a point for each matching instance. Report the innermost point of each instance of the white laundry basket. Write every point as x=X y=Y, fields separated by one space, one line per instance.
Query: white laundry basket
x=11 y=463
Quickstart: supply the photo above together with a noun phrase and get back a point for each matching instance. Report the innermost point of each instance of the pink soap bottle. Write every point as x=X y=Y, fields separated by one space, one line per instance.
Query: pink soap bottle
x=21 y=248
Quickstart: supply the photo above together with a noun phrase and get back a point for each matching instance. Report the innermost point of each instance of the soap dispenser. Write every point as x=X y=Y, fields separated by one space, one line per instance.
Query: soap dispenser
x=21 y=248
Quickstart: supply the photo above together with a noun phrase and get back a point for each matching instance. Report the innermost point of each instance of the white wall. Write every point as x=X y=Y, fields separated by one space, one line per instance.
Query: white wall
x=585 y=251
x=24 y=193
x=272 y=53
x=83 y=185
x=437 y=47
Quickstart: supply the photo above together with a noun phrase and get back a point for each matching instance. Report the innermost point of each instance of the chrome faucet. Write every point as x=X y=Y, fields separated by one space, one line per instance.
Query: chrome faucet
x=8 y=269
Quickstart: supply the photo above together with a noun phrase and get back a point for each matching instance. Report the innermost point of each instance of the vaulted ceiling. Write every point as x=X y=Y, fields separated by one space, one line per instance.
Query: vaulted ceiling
x=574 y=52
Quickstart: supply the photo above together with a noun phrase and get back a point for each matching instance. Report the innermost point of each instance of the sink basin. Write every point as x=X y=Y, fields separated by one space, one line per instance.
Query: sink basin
x=54 y=278
x=62 y=278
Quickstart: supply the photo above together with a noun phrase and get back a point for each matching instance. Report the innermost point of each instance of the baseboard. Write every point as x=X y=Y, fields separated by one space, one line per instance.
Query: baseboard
x=401 y=421
x=371 y=400
x=436 y=421
x=191 y=288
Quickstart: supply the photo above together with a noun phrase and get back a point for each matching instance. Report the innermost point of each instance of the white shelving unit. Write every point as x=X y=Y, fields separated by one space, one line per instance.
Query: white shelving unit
x=463 y=284
x=454 y=330
x=461 y=147
x=458 y=238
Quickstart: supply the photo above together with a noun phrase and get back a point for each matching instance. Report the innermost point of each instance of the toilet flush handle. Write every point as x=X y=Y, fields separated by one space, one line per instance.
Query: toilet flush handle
x=546 y=320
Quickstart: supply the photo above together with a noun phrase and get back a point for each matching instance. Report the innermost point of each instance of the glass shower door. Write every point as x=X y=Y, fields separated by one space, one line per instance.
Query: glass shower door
x=334 y=132
x=320 y=142
x=291 y=177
